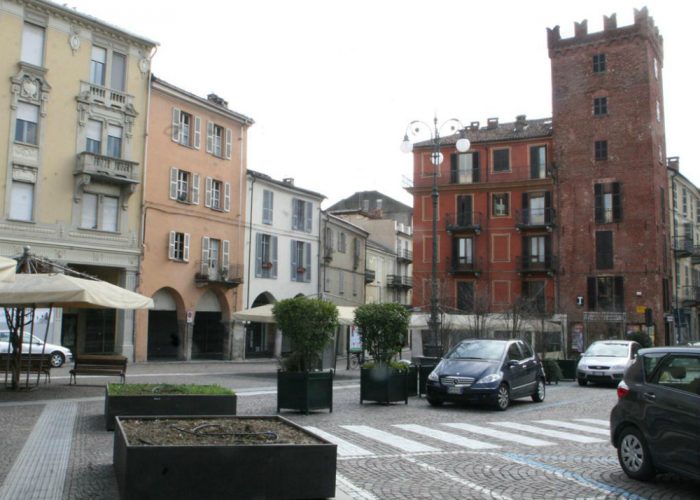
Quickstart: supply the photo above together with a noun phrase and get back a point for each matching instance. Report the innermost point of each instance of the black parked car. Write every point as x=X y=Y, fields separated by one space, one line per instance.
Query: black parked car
x=655 y=425
x=484 y=370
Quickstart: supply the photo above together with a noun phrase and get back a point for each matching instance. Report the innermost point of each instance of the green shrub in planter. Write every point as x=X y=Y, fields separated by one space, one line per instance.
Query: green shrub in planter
x=310 y=325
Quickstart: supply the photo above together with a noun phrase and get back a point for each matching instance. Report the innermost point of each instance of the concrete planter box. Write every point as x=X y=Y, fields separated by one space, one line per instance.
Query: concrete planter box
x=383 y=384
x=305 y=391
x=212 y=472
x=167 y=404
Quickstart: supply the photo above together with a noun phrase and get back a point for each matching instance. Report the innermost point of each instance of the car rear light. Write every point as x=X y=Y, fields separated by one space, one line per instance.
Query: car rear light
x=622 y=390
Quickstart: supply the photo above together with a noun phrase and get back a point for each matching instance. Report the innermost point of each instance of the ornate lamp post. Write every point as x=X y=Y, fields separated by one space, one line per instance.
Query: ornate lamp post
x=416 y=128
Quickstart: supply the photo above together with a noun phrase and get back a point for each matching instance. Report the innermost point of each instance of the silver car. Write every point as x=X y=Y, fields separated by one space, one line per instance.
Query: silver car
x=59 y=354
x=605 y=361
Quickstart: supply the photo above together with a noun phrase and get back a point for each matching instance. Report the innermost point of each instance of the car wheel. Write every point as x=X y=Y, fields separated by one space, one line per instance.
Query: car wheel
x=57 y=359
x=502 y=400
x=633 y=455
x=435 y=402
x=539 y=394
x=582 y=382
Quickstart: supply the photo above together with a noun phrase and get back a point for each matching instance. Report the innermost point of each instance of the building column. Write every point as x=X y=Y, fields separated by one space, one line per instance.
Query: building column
x=124 y=334
x=238 y=334
x=277 y=352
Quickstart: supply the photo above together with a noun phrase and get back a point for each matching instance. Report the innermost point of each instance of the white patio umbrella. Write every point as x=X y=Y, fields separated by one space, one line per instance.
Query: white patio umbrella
x=263 y=314
x=8 y=269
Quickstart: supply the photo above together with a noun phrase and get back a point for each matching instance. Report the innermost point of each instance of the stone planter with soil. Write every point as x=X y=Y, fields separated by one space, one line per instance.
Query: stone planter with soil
x=179 y=458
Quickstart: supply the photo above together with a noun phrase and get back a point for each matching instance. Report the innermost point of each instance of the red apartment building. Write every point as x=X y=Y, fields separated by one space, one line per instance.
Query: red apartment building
x=565 y=214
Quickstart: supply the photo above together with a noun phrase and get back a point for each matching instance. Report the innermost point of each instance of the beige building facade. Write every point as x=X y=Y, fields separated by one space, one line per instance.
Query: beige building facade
x=193 y=226
x=72 y=154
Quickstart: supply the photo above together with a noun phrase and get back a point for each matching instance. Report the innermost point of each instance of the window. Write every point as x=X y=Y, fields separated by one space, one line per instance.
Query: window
x=114 y=141
x=342 y=243
x=184 y=186
x=604 y=250
x=118 y=76
x=302 y=215
x=538 y=162
x=186 y=129
x=341 y=282
x=684 y=202
x=215 y=258
x=464 y=211
x=93 y=135
x=301 y=261
x=608 y=203
x=356 y=247
x=268 y=199
x=265 y=256
x=601 y=150
x=219 y=140
x=465 y=296
x=500 y=206
x=179 y=246
x=33 y=44
x=463 y=252
x=600 y=106
x=99 y=212
x=464 y=168
x=680 y=372
x=535 y=251
x=658 y=111
x=22 y=201
x=501 y=160
x=606 y=293
x=599 y=63
x=217 y=195
x=536 y=208
x=98 y=63
x=533 y=293
x=27 y=123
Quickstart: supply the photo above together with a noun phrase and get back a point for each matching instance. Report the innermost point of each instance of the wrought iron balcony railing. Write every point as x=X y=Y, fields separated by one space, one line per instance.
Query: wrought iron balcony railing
x=535 y=218
x=399 y=281
x=463 y=222
x=537 y=264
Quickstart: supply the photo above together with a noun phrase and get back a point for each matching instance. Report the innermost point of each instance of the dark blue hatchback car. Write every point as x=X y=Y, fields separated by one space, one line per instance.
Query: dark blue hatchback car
x=485 y=370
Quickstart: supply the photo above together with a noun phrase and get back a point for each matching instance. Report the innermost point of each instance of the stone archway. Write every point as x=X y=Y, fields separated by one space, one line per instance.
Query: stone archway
x=259 y=337
x=166 y=335
x=209 y=331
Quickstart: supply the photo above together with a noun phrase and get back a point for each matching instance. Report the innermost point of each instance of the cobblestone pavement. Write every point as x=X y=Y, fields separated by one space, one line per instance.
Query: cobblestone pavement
x=558 y=449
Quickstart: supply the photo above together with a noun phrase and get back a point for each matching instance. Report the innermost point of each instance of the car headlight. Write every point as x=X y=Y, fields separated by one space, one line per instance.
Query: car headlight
x=582 y=366
x=433 y=377
x=490 y=379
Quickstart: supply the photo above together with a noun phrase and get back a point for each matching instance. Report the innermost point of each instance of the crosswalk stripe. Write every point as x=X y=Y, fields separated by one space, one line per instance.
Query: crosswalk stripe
x=575 y=427
x=548 y=432
x=399 y=442
x=447 y=437
x=604 y=423
x=495 y=433
x=345 y=448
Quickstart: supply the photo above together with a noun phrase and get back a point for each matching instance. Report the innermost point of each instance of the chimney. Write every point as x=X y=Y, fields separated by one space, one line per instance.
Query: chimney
x=492 y=123
x=288 y=180
x=674 y=163
x=219 y=101
x=520 y=122
x=474 y=126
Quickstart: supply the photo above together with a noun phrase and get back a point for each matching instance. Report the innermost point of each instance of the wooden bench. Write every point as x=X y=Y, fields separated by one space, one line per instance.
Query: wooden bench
x=95 y=364
x=36 y=364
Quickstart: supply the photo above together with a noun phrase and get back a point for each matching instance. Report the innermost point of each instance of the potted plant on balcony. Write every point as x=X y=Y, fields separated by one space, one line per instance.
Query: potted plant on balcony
x=310 y=325
x=383 y=329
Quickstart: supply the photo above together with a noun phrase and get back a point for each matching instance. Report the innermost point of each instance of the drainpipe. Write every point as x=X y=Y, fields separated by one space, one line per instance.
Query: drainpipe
x=676 y=287
x=250 y=242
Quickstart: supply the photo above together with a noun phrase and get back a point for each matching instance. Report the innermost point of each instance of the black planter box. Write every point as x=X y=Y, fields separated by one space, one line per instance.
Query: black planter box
x=383 y=384
x=568 y=368
x=167 y=404
x=423 y=372
x=412 y=380
x=304 y=391
x=212 y=472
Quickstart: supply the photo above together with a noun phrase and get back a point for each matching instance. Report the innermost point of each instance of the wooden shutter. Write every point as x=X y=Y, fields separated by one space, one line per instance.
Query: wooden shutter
x=475 y=166
x=295 y=221
x=527 y=241
x=617 y=201
x=225 y=247
x=599 y=205
x=197 y=132
x=603 y=250
x=173 y=183
x=592 y=293
x=171 y=246
x=207 y=192
x=454 y=170
x=548 y=252
x=210 y=137
x=548 y=218
x=204 y=267
x=309 y=216
x=195 y=189
x=258 y=255
x=273 y=253
x=227 y=197
x=186 y=249
x=534 y=163
x=176 y=125
x=307 y=262
x=229 y=143
x=464 y=217
x=525 y=206
x=295 y=264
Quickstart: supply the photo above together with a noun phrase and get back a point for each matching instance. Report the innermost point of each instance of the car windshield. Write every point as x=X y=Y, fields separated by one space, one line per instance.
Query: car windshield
x=478 y=349
x=608 y=350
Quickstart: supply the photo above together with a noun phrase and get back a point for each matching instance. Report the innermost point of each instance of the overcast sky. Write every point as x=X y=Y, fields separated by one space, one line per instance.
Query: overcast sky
x=332 y=84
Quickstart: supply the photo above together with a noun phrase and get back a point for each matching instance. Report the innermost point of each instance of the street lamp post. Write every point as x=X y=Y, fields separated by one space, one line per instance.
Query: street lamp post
x=416 y=128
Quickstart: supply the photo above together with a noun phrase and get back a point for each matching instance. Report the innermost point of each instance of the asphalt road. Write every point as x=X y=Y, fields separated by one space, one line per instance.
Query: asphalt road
x=552 y=450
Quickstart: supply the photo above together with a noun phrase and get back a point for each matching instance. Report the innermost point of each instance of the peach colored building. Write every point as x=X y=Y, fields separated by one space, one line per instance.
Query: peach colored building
x=193 y=225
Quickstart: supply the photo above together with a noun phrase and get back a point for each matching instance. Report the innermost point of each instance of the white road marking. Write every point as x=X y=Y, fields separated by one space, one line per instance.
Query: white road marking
x=604 y=423
x=548 y=432
x=495 y=433
x=399 y=442
x=345 y=448
x=447 y=437
x=355 y=493
x=575 y=427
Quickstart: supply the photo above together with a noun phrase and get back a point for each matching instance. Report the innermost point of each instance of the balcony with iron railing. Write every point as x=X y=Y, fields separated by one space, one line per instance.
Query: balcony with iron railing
x=110 y=98
x=369 y=275
x=696 y=254
x=465 y=222
x=535 y=264
x=534 y=218
x=399 y=281
x=683 y=246
x=463 y=265
x=228 y=277
x=404 y=255
x=689 y=295
x=107 y=168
